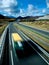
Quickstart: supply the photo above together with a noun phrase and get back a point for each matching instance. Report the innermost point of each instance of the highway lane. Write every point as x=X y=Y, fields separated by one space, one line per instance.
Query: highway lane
x=5 y=53
x=13 y=60
x=36 y=46
x=38 y=37
x=37 y=31
x=2 y=41
x=33 y=59
x=40 y=31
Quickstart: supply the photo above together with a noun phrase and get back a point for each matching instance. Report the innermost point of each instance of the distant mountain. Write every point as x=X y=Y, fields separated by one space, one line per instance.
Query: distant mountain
x=6 y=18
x=1 y=16
x=19 y=17
x=46 y=17
x=27 y=17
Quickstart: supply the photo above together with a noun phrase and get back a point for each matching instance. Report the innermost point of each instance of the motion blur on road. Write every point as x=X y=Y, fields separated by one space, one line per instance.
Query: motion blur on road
x=24 y=45
x=24 y=32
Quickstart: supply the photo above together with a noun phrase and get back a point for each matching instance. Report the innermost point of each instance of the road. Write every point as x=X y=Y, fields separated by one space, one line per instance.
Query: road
x=39 y=36
x=26 y=61
x=5 y=52
x=40 y=31
x=30 y=57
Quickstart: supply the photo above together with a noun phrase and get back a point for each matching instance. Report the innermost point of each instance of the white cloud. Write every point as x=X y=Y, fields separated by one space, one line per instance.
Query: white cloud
x=29 y=11
x=22 y=12
x=5 y=3
x=33 y=10
x=8 y=6
x=30 y=7
x=44 y=10
x=47 y=5
x=8 y=11
x=8 y=3
x=47 y=2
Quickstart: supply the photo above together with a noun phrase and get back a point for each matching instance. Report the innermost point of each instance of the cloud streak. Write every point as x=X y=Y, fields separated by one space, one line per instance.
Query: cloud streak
x=9 y=6
x=29 y=11
x=47 y=2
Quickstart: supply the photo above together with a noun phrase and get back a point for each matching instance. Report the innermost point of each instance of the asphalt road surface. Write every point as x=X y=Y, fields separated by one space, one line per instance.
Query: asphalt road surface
x=11 y=57
x=31 y=57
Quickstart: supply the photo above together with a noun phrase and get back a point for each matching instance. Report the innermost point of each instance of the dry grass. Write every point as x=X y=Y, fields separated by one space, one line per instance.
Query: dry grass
x=2 y=27
x=41 y=40
x=44 y=25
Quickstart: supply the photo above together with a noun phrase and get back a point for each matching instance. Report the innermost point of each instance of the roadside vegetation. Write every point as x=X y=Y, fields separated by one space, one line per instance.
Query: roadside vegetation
x=2 y=27
x=44 y=25
x=4 y=20
x=41 y=39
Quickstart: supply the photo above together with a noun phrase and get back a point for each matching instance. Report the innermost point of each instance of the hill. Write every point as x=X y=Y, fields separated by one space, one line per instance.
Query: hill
x=27 y=18
x=46 y=17
x=6 y=19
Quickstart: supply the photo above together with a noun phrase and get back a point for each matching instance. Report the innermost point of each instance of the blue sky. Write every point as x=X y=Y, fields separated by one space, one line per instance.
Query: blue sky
x=24 y=7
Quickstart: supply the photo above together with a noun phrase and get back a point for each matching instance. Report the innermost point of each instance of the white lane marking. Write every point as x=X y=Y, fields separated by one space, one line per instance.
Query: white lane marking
x=12 y=42
x=37 y=29
x=40 y=55
x=12 y=58
x=38 y=47
x=34 y=27
x=10 y=49
x=13 y=47
x=10 y=39
x=37 y=38
x=36 y=50
x=46 y=53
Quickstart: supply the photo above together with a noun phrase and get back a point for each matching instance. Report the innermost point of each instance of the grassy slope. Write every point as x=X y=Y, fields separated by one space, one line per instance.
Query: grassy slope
x=44 y=25
x=2 y=28
x=41 y=40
